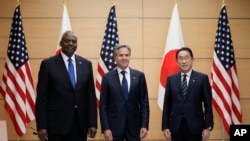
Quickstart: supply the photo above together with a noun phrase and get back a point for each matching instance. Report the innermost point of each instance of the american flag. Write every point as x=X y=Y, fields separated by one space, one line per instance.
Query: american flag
x=225 y=89
x=17 y=84
x=106 y=60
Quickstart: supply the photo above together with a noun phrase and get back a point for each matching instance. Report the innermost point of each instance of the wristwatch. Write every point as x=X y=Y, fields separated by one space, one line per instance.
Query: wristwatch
x=209 y=128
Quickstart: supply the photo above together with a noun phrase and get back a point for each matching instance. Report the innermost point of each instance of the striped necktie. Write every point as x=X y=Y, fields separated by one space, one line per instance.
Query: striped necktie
x=184 y=85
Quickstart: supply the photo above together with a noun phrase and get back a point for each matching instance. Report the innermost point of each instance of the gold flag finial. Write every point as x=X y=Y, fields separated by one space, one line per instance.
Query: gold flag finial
x=113 y=3
x=65 y=2
x=18 y=3
x=223 y=3
x=175 y=2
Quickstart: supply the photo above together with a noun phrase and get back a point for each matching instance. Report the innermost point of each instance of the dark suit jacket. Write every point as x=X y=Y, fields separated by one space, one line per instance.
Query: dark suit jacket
x=115 y=110
x=191 y=108
x=56 y=97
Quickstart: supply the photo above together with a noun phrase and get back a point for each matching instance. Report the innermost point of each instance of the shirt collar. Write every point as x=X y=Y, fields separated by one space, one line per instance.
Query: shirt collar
x=188 y=73
x=119 y=70
x=65 y=57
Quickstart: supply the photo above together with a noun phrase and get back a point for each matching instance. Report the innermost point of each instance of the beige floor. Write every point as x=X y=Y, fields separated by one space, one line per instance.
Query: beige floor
x=143 y=140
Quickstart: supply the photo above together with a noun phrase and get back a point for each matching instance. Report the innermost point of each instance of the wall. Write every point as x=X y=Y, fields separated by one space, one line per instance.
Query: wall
x=143 y=24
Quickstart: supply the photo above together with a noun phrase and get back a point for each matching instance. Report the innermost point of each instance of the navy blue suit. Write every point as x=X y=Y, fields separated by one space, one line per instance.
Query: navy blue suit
x=116 y=112
x=56 y=97
x=176 y=107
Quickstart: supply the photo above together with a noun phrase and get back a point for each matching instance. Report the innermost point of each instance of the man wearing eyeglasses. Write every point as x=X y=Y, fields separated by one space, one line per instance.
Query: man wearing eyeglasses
x=187 y=110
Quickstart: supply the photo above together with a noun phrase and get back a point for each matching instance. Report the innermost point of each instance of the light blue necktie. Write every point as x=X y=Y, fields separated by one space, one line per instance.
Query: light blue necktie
x=71 y=72
x=184 y=85
x=124 y=85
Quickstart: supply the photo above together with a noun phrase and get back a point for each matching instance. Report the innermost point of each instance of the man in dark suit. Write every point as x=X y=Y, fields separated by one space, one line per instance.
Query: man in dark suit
x=124 y=111
x=66 y=106
x=187 y=109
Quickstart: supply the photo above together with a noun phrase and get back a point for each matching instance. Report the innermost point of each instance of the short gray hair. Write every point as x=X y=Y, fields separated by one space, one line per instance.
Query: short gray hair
x=117 y=47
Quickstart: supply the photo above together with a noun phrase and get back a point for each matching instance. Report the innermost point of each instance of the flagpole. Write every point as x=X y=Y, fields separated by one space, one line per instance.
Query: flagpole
x=223 y=133
x=223 y=130
x=17 y=4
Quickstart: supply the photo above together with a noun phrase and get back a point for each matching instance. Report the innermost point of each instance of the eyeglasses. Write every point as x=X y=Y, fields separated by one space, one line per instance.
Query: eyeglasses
x=186 y=58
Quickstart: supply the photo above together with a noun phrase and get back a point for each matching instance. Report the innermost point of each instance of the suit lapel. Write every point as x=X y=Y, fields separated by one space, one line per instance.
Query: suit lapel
x=178 y=80
x=61 y=65
x=116 y=77
x=192 y=81
x=132 y=81
x=116 y=81
x=79 y=72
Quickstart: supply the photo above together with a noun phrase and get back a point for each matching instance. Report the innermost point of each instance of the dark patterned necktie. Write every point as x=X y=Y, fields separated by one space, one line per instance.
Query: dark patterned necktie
x=71 y=72
x=184 y=85
x=124 y=85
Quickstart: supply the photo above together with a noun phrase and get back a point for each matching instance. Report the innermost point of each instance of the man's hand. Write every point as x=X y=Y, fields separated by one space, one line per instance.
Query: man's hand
x=167 y=133
x=205 y=134
x=143 y=133
x=42 y=134
x=92 y=132
x=108 y=135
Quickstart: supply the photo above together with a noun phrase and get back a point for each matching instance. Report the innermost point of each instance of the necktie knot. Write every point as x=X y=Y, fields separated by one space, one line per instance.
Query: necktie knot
x=70 y=60
x=123 y=73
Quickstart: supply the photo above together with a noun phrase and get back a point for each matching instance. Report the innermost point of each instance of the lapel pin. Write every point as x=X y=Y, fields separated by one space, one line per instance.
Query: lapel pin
x=194 y=80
